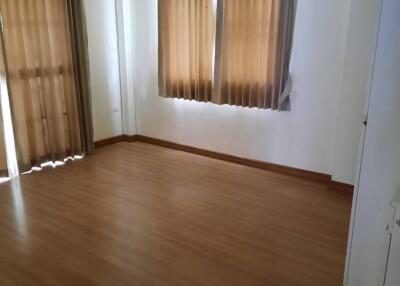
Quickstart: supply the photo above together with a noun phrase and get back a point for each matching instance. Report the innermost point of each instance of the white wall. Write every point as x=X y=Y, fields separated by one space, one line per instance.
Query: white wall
x=380 y=170
x=352 y=104
x=104 y=68
x=307 y=137
x=126 y=56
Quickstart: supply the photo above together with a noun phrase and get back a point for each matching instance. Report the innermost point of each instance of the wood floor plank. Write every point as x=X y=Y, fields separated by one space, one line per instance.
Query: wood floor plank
x=138 y=214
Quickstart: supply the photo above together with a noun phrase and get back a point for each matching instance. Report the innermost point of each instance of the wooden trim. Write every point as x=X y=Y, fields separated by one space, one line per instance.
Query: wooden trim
x=109 y=141
x=131 y=138
x=338 y=186
x=314 y=176
x=291 y=171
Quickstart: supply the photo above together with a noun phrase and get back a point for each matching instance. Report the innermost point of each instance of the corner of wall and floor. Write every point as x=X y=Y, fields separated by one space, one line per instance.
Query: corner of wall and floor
x=338 y=125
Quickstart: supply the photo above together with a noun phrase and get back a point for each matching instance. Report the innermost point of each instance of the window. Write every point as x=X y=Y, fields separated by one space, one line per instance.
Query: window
x=252 y=51
x=186 y=42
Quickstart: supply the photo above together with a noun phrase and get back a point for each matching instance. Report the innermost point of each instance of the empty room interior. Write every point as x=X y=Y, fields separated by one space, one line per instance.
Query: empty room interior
x=200 y=142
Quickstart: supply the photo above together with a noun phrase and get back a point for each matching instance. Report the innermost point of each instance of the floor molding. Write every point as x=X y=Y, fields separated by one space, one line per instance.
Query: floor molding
x=291 y=171
x=109 y=141
x=338 y=186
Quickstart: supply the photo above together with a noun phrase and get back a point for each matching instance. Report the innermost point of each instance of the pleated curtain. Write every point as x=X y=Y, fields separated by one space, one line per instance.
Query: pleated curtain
x=80 y=57
x=186 y=42
x=3 y=81
x=254 y=39
x=3 y=158
x=48 y=76
x=253 y=42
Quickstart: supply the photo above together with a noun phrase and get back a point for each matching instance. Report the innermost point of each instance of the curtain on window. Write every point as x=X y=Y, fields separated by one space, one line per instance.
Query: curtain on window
x=186 y=41
x=252 y=51
x=254 y=40
x=50 y=100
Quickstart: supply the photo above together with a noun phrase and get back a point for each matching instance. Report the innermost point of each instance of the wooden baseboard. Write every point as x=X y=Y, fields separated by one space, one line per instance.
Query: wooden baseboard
x=109 y=141
x=314 y=176
x=338 y=186
x=295 y=172
x=113 y=140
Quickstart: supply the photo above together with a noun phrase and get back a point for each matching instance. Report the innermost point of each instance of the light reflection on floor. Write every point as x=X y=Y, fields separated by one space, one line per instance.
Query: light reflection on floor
x=19 y=207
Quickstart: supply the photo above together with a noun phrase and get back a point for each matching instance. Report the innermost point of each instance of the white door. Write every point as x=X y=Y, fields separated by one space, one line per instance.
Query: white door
x=393 y=269
x=380 y=168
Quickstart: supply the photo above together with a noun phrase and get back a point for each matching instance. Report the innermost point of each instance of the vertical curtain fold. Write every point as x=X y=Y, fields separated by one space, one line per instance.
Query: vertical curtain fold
x=186 y=41
x=48 y=79
x=3 y=79
x=80 y=56
x=254 y=40
x=3 y=156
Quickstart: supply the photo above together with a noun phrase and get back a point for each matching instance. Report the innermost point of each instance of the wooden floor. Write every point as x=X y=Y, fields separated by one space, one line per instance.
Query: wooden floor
x=136 y=214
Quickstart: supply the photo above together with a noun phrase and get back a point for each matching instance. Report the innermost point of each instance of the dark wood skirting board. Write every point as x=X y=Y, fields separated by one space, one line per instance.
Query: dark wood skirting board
x=300 y=173
x=110 y=141
x=238 y=160
x=338 y=186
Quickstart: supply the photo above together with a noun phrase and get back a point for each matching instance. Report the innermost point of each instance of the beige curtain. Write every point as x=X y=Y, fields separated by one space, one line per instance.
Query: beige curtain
x=186 y=41
x=44 y=87
x=253 y=47
x=3 y=156
x=80 y=55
